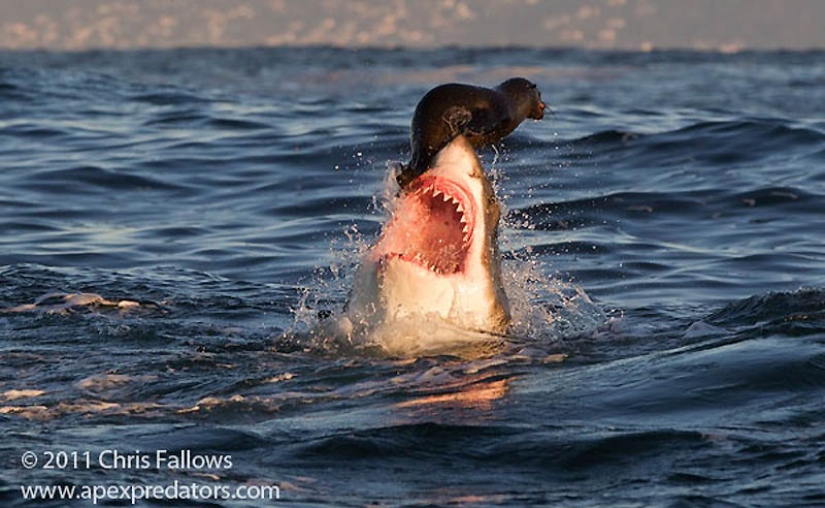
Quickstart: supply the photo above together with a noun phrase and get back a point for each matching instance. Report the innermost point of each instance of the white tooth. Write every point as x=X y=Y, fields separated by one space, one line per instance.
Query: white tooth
x=466 y=230
x=446 y=198
x=460 y=210
x=436 y=192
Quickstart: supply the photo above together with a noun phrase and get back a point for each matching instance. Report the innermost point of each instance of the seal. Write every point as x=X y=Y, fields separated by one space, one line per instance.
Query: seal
x=482 y=115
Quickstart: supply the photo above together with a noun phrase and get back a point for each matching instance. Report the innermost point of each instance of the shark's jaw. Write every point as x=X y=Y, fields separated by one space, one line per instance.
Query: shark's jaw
x=433 y=226
x=437 y=256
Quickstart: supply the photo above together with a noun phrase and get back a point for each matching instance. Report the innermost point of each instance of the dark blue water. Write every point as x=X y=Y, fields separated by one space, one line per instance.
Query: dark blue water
x=664 y=247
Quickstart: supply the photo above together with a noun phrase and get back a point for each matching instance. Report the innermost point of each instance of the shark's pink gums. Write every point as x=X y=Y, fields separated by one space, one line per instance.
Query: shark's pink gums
x=433 y=226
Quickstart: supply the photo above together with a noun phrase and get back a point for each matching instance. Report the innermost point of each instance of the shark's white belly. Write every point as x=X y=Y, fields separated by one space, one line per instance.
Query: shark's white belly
x=394 y=290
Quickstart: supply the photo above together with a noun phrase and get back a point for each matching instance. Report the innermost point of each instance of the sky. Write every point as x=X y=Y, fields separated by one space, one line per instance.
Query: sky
x=718 y=25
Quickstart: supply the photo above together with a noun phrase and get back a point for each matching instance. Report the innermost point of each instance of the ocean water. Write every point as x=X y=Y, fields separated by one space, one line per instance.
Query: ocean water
x=174 y=223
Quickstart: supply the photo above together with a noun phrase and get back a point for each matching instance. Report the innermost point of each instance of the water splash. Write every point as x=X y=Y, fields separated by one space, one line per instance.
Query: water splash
x=545 y=309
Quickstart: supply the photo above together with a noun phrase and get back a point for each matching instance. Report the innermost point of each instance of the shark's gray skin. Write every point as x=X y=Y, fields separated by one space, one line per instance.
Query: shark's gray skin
x=438 y=254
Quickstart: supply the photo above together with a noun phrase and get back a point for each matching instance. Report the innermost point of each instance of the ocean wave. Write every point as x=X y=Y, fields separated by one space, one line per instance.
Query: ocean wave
x=658 y=228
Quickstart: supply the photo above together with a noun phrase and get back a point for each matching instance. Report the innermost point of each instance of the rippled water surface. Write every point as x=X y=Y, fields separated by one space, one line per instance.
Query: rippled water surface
x=664 y=243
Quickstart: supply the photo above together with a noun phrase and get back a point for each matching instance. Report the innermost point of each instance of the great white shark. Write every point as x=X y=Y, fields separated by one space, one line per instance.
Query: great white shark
x=437 y=256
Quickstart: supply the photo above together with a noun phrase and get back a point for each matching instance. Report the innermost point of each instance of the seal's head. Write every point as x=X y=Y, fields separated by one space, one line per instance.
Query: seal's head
x=526 y=97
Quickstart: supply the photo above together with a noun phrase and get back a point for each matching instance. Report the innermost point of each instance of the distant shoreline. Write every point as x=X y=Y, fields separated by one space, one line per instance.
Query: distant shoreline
x=625 y=25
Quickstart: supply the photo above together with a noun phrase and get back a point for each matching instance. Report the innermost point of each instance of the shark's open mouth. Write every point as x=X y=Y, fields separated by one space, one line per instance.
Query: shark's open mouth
x=433 y=225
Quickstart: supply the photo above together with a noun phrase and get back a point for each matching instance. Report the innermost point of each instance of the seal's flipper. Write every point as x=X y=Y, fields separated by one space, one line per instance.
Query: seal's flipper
x=456 y=118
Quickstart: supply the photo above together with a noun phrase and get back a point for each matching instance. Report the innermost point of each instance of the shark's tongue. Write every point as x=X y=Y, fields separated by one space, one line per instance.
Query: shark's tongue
x=432 y=228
